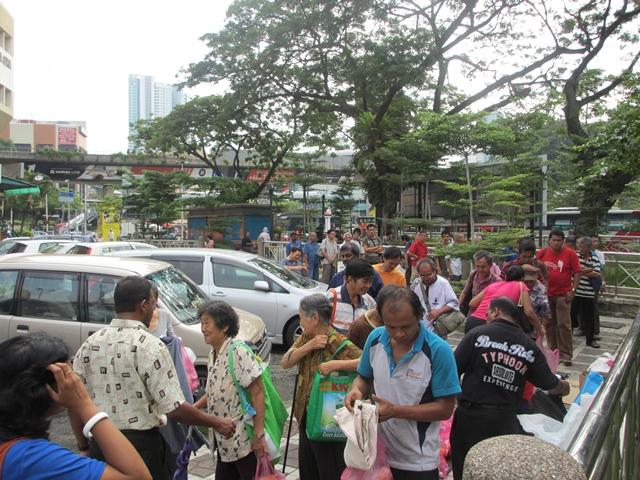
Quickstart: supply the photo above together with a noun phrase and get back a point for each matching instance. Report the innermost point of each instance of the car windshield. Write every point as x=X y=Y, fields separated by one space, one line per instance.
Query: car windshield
x=179 y=294
x=282 y=273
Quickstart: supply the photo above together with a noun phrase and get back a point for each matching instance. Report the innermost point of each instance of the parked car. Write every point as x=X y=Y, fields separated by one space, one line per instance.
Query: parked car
x=246 y=281
x=78 y=237
x=71 y=297
x=103 y=248
x=31 y=245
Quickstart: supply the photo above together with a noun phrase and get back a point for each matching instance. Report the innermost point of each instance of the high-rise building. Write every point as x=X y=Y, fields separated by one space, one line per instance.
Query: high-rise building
x=149 y=99
x=6 y=67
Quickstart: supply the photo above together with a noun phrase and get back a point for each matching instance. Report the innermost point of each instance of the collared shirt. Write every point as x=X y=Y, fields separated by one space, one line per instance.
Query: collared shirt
x=338 y=280
x=420 y=249
x=345 y=313
x=330 y=248
x=129 y=374
x=425 y=373
x=368 y=242
x=585 y=289
x=562 y=266
x=291 y=244
x=440 y=293
x=223 y=399
x=310 y=251
x=539 y=300
x=309 y=365
x=479 y=284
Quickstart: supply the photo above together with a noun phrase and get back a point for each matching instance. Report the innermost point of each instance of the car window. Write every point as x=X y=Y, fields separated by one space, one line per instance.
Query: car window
x=191 y=266
x=100 y=304
x=119 y=248
x=46 y=246
x=49 y=295
x=8 y=281
x=6 y=246
x=178 y=294
x=233 y=276
x=17 y=248
x=79 y=250
x=282 y=273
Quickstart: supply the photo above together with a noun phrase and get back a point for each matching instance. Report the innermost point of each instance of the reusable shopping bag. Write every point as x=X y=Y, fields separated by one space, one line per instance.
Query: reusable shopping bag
x=327 y=396
x=265 y=471
x=275 y=413
x=361 y=430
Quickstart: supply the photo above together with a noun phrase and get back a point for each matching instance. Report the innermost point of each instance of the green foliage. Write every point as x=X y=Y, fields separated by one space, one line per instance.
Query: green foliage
x=342 y=202
x=153 y=197
x=492 y=242
x=110 y=203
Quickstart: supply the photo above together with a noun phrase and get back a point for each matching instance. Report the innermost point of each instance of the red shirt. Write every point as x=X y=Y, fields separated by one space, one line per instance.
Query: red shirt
x=561 y=267
x=419 y=249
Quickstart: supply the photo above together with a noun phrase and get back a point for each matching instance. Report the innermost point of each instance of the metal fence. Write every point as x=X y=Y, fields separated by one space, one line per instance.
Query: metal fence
x=607 y=443
x=622 y=274
x=272 y=250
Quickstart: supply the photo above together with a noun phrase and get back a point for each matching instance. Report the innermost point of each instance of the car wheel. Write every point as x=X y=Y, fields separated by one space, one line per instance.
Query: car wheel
x=292 y=331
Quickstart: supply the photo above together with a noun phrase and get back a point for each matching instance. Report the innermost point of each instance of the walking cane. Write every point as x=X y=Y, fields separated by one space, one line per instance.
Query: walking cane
x=293 y=402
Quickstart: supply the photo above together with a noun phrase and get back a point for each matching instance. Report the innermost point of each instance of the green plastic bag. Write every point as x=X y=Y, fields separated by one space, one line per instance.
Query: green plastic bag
x=327 y=396
x=275 y=414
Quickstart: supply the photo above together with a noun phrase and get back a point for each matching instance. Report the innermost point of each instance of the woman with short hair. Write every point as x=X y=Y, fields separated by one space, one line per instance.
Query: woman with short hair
x=238 y=455
x=313 y=351
x=37 y=382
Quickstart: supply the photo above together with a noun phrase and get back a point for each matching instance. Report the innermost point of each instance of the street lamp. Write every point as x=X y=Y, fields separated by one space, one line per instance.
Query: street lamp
x=543 y=203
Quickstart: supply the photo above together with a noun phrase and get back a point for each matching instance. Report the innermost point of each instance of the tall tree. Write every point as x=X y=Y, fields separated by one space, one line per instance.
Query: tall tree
x=309 y=171
x=366 y=63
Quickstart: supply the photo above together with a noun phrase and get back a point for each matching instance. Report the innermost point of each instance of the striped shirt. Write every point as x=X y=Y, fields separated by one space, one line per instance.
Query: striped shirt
x=584 y=288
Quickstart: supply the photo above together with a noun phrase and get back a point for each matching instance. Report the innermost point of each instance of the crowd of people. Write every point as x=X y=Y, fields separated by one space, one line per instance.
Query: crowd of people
x=385 y=323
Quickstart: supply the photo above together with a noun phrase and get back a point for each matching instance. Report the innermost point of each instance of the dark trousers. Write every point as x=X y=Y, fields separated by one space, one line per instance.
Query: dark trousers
x=472 y=424
x=152 y=448
x=473 y=322
x=596 y=323
x=586 y=312
x=319 y=460
x=242 y=469
x=409 y=475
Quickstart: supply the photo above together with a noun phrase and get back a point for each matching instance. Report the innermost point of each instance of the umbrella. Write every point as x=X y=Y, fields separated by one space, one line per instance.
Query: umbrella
x=182 y=460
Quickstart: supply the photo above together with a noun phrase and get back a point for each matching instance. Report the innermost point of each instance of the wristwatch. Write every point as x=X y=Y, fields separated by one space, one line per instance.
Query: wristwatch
x=258 y=435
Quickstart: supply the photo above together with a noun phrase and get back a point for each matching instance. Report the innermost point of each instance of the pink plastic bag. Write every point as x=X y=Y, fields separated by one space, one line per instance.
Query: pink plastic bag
x=265 y=471
x=552 y=356
x=380 y=470
x=189 y=368
x=445 y=447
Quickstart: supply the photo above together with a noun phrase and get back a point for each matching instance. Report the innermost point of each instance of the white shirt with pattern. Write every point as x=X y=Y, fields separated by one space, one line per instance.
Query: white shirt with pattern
x=130 y=375
x=223 y=399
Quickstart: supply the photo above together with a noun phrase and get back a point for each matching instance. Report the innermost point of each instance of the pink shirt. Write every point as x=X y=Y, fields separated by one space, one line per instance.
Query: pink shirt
x=495 y=290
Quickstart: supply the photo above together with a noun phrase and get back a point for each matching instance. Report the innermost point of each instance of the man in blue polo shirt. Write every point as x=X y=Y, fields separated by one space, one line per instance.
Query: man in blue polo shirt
x=413 y=373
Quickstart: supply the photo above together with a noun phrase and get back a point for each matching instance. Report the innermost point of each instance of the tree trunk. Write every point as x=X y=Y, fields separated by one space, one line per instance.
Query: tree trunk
x=472 y=223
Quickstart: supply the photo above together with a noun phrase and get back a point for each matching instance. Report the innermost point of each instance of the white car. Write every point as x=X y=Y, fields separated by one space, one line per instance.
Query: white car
x=72 y=297
x=246 y=281
x=31 y=245
x=103 y=248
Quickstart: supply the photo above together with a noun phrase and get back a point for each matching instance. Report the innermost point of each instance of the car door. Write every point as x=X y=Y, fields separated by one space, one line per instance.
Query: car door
x=234 y=283
x=8 y=282
x=49 y=302
x=100 y=305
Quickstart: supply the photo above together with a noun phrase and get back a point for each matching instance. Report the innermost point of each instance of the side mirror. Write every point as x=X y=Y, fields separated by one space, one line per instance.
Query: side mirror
x=261 y=286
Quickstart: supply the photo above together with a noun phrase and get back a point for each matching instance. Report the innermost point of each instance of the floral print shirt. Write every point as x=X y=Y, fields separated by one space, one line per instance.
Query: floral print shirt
x=223 y=399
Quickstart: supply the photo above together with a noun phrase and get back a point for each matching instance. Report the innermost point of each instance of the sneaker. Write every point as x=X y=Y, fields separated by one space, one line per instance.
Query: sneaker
x=594 y=344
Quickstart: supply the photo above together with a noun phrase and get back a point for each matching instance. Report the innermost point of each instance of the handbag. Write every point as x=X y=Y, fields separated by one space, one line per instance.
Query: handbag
x=275 y=413
x=525 y=324
x=466 y=294
x=327 y=396
x=446 y=322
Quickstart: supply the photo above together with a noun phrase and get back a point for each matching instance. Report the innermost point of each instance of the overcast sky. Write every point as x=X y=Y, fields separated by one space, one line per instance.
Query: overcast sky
x=72 y=58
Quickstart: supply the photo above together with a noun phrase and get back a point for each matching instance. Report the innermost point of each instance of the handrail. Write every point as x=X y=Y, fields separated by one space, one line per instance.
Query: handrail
x=607 y=443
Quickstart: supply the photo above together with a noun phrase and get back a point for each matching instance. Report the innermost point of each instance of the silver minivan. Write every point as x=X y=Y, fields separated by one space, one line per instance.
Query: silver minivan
x=71 y=297
x=245 y=281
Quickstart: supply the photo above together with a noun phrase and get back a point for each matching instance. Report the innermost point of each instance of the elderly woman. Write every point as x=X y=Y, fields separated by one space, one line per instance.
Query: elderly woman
x=36 y=382
x=319 y=342
x=237 y=455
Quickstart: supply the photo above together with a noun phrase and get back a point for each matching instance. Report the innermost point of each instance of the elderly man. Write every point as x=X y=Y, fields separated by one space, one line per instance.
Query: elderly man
x=310 y=256
x=131 y=376
x=372 y=245
x=293 y=262
x=589 y=286
x=414 y=377
x=435 y=294
x=348 y=252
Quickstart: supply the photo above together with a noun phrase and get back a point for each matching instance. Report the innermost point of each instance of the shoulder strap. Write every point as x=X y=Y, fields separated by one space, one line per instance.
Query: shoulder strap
x=425 y=294
x=342 y=345
x=520 y=301
x=242 y=393
x=4 y=449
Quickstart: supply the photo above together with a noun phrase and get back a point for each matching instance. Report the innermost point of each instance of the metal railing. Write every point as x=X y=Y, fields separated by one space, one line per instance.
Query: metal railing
x=272 y=250
x=622 y=274
x=607 y=443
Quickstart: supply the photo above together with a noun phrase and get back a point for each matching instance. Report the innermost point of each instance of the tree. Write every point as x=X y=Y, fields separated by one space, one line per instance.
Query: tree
x=153 y=197
x=308 y=173
x=342 y=202
x=365 y=66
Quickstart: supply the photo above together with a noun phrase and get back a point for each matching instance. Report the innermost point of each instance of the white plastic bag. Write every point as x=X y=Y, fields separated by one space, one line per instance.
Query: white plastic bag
x=361 y=430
